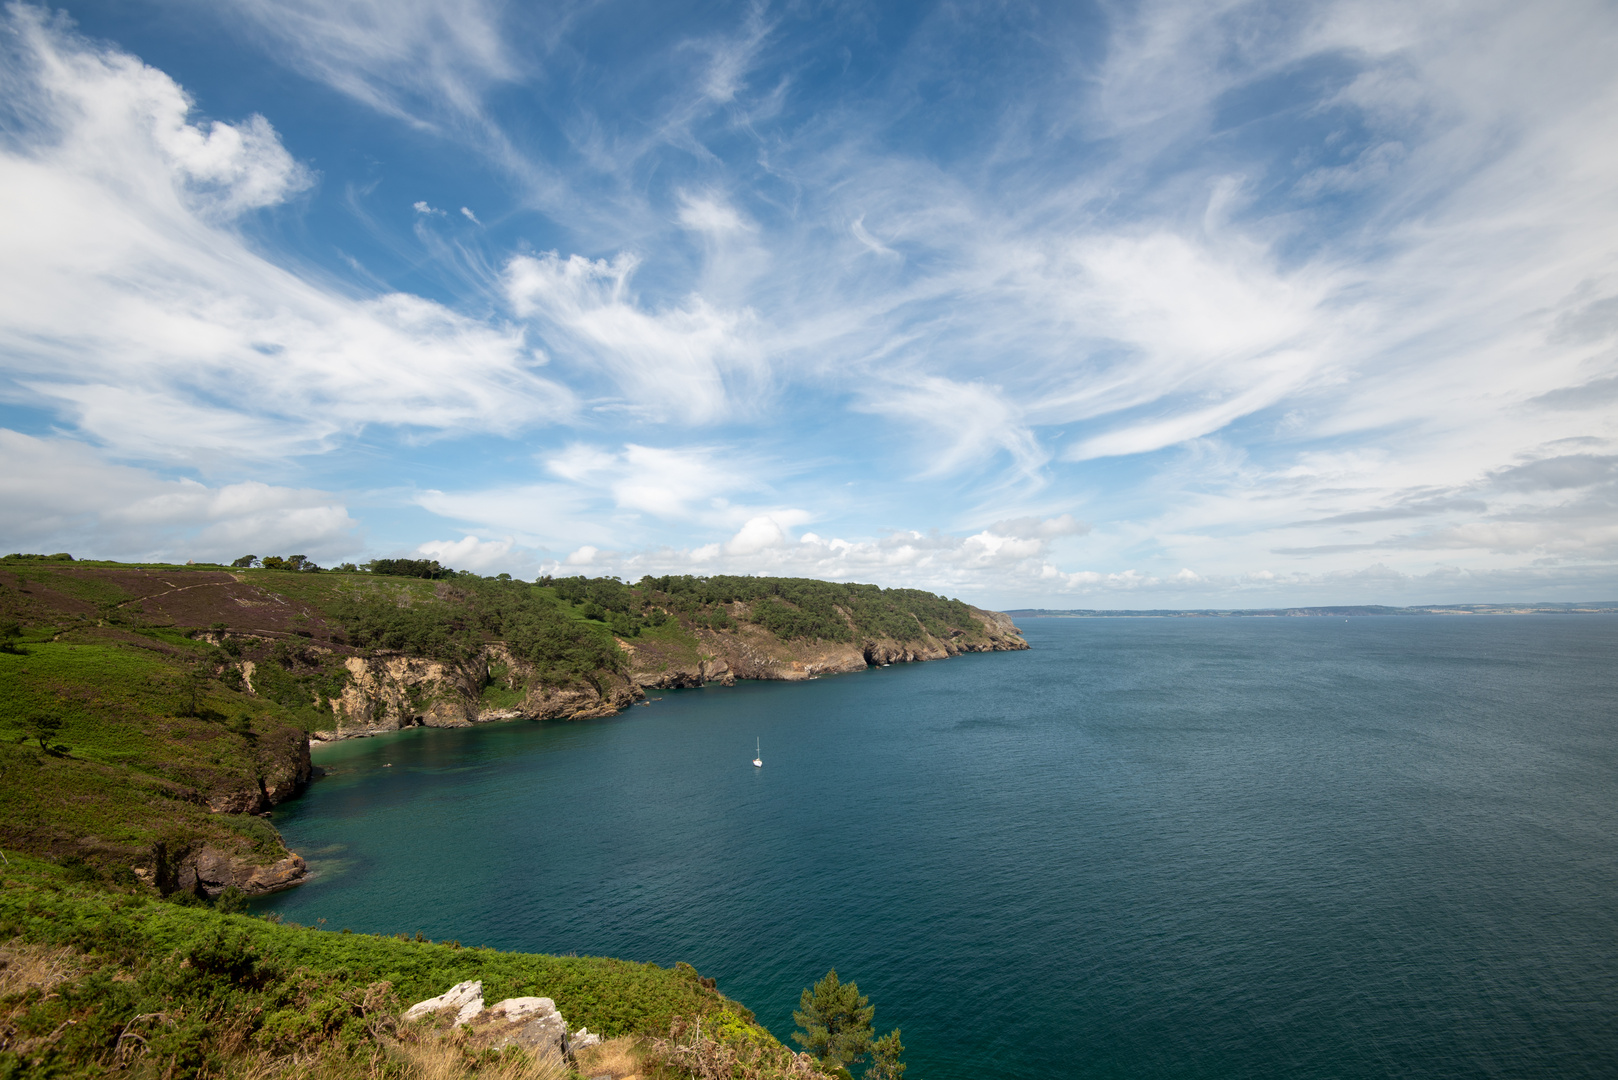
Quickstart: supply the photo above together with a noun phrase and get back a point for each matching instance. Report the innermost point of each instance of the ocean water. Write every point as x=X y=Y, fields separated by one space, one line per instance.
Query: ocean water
x=1146 y=848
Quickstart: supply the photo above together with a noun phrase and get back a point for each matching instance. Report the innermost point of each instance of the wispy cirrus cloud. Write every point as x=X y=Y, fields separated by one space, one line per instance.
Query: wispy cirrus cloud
x=135 y=306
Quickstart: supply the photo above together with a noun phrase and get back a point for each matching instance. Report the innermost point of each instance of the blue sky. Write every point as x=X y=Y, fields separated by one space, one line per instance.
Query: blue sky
x=1067 y=305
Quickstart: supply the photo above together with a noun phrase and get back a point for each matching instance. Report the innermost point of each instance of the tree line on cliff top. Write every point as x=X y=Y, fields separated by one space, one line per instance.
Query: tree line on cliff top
x=565 y=626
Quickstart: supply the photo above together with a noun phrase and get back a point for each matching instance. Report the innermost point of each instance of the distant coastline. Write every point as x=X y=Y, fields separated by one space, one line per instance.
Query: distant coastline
x=1604 y=607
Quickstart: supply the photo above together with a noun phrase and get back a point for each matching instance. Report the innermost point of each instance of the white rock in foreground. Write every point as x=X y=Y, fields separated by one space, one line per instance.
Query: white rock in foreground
x=517 y=1008
x=466 y=998
x=581 y=1039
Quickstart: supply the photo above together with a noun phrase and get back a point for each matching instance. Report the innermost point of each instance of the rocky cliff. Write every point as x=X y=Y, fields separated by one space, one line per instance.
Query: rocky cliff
x=750 y=652
x=389 y=692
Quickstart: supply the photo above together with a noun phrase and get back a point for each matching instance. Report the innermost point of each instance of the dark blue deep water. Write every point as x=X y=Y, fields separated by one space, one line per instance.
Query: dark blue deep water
x=1147 y=848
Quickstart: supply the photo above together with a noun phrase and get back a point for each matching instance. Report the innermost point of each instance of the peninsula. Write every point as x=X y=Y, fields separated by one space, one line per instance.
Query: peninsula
x=155 y=714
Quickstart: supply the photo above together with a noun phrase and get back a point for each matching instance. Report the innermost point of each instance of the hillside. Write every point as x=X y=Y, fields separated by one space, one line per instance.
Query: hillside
x=104 y=980
x=150 y=714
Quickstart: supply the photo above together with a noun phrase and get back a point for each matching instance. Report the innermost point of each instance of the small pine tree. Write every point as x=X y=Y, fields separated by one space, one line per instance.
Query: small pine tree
x=885 y=1063
x=836 y=1022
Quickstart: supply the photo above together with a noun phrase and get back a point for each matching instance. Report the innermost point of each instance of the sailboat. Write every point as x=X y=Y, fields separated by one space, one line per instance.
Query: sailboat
x=758 y=758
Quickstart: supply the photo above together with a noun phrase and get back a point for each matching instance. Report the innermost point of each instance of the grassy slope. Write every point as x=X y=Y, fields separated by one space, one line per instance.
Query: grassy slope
x=134 y=771
x=235 y=992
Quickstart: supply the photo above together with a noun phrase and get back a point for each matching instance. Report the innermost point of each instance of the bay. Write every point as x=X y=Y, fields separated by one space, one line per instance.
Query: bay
x=1147 y=847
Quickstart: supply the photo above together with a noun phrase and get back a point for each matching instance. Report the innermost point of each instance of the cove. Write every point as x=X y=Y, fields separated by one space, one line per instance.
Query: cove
x=1200 y=847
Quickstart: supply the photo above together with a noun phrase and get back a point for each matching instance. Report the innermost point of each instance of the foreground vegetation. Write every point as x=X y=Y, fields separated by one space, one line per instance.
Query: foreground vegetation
x=97 y=981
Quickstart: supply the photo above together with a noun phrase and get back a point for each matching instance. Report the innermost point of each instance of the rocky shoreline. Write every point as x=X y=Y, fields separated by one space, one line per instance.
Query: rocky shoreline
x=388 y=693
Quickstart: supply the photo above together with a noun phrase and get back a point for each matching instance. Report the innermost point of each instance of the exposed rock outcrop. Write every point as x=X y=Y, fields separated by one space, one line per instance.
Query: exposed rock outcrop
x=208 y=871
x=390 y=692
x=749 y=652
x=533 y=1023
x=463 y=1000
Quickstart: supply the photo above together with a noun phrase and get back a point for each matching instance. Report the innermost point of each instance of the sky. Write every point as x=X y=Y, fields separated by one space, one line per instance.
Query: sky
x=1062 y=305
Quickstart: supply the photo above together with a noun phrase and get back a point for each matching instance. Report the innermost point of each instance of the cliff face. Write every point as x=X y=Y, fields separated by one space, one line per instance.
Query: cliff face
x=388 y=693
x=750 y=652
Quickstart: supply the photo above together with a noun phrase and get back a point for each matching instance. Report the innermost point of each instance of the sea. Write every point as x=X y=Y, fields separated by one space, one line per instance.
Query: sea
x=1199 y=847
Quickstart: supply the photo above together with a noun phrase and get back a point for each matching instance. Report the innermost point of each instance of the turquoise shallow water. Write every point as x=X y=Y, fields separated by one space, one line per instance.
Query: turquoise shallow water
x=1188 y=848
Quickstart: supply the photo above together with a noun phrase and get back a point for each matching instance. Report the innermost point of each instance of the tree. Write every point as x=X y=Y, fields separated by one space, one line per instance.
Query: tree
x=10 y=634
x=44 y=726
x=836 y=1022
x=245 y=561
x=192 y=684
x=885 y=1063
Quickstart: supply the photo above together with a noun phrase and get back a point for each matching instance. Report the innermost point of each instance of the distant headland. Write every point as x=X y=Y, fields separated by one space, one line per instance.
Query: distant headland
x=1604 y=607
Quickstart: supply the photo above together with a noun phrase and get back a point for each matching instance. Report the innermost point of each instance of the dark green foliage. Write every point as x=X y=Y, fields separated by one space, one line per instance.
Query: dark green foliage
x=412 y=568
x=475 y=610
x=885 y=1063
x=300 y=679
x=300 y=563
x=377 y=621
x=245 y=561
x=10 y=635
x=801 y=608
x=44 y=726
x=17 y=556
x=835 y=1022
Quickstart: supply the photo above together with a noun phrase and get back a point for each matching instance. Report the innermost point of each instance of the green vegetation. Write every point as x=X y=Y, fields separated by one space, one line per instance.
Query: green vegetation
x=97 y=981
x=801 y=608
x=147 y=713
x=834 y=1021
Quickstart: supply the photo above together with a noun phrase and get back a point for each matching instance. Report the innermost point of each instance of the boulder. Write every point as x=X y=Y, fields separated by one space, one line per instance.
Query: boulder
x=533 y=1023
x=542 y=1032
x=519 y=1008
x=465 y=998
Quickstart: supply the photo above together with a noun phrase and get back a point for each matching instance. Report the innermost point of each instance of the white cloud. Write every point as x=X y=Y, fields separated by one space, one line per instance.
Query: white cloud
x=473 y=218
x=427 y=61
x=136 y=309
x=875 y=246
x=711 y=214
x=965 y=422
x=64 y=494
x=668 y=365
x=470 y=553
